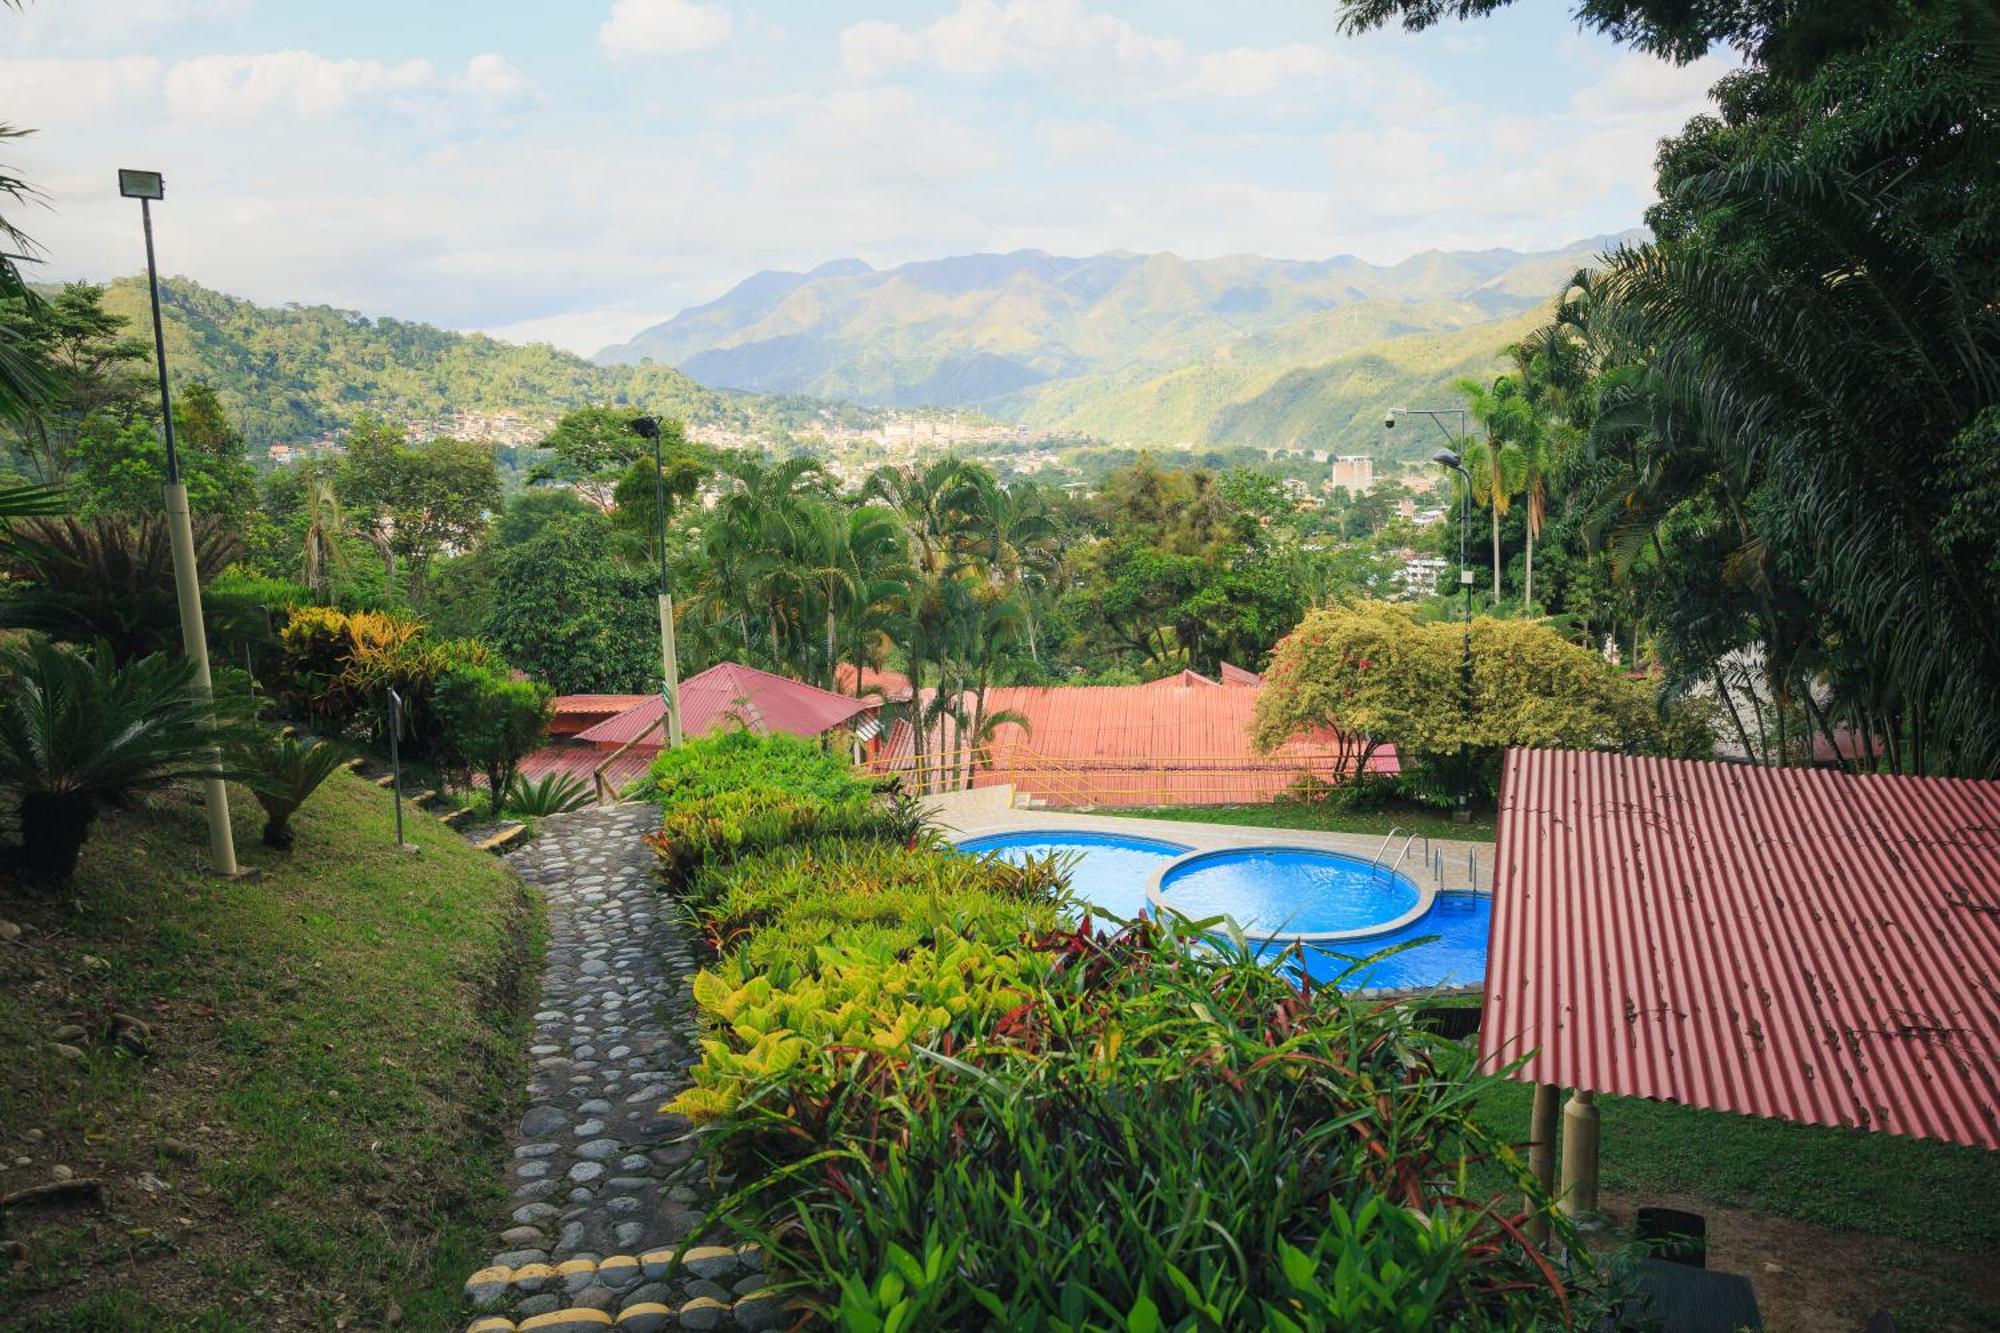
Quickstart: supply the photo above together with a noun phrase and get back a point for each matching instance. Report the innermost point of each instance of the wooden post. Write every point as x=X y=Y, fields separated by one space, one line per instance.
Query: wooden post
x=1579 y=1156
x=1542 y=1157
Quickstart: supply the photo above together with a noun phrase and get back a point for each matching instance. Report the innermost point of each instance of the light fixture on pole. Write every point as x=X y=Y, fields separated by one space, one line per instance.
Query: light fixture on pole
x=147 y=186
x=648 y=428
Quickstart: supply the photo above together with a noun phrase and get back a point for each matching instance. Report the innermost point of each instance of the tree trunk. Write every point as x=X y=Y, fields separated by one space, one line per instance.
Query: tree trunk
x=53 y=829
x=1496 y=550
x=832 y=647
x=1528 y=577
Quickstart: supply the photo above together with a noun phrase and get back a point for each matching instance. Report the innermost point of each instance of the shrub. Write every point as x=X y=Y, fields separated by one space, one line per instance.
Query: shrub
x=776 y=910
x=857 y=998
x=108 y=579
x=1157 y=1134
x=488 y=723
x=283 y=772
x=735 y=758
x=339 y=666
x=79 y=732
x=555 y=794
x=714 y=831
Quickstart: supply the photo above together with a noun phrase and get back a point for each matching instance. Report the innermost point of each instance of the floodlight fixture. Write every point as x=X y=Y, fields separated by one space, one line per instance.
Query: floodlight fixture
x=141 y=184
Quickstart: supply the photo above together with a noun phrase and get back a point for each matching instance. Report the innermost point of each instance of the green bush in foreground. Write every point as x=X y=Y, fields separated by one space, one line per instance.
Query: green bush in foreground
x=735 y=759
x=1156 y=1135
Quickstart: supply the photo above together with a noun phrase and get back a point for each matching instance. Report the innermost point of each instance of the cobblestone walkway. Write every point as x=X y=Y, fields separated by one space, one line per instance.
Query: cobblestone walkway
x=603 y=1193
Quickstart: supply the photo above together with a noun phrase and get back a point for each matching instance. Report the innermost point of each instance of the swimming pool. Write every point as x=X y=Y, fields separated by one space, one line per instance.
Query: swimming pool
x=1111 y=872
x=1289 y=891
x=1456 y=957
x=1348 y=908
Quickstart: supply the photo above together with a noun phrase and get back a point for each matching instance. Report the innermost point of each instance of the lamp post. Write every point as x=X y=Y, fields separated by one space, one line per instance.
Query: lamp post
x=1449 y=458
x=146 y=186
x=648 y=428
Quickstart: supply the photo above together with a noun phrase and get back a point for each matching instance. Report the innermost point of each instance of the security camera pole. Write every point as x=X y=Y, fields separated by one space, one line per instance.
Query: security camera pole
x=146 y=186
x=648 y=428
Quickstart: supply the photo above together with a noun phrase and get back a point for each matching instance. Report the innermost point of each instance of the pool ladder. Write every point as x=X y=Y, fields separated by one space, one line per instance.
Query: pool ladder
x=1383 y=850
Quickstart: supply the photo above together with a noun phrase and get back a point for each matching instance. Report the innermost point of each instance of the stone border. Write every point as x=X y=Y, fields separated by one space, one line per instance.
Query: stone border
x=638 y=1282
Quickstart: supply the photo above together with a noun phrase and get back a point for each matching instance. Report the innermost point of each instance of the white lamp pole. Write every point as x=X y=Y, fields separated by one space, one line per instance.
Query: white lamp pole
x=146 y=186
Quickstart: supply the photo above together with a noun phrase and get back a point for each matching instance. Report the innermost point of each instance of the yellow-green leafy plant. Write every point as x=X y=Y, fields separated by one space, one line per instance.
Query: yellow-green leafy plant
x=855 y=998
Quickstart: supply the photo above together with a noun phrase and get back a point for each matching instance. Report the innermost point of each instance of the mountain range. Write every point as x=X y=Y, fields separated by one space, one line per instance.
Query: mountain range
x=1145 y=349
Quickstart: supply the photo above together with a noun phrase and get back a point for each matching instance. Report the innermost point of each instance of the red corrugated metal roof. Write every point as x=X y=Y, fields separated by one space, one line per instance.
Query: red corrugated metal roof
x=728 y=691
x=1236 y=675
x=873 y=683
x=1188 y=679
x=595 y=703
x=1137 y=745
x=1793 y=943
x=580 y=761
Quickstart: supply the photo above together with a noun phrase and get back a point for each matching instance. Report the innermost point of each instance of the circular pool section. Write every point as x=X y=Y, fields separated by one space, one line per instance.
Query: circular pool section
x=1110 y=872
x=1289 y=892
x=1447 y=948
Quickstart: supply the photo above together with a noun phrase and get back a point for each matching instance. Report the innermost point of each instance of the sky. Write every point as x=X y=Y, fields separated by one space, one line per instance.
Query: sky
x=573 y=171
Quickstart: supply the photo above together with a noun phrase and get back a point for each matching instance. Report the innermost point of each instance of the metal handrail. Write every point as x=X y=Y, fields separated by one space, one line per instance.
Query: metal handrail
x=1400 y=855
x=1387 y=838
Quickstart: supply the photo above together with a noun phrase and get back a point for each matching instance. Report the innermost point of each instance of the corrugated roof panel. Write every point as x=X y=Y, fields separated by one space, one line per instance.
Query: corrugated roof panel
x=730 y=691
x=1793 y=943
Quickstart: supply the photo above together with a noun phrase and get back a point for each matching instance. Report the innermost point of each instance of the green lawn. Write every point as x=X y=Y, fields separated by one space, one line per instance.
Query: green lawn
x=1327 y=818
x=315 y=1138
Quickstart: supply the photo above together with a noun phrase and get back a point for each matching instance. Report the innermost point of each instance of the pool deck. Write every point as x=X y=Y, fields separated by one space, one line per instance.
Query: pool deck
x=990 y=810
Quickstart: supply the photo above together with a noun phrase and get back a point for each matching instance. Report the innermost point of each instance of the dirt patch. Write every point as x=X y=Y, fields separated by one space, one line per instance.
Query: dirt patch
x=1812 y=1279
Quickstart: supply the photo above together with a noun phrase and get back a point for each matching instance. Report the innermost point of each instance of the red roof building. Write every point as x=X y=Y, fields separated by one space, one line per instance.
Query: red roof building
x=1794 y=943
x=1163 y=743
x=622 y=732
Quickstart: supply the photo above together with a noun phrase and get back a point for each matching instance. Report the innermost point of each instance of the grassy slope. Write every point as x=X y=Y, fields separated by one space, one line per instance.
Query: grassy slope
x=338 y=1042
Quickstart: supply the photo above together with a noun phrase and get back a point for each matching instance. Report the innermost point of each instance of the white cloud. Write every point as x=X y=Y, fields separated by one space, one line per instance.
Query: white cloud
x=662 y=28
x=494 y=80
x=1248 y=71
x=298 y=83
x=53 y=92
x=1646 y=85
x=60 y=23
x=1081 y=140
x=1058 y=38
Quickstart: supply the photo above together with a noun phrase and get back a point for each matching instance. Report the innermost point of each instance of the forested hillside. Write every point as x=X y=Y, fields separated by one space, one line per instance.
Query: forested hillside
x=1247 y=395
x=1066 y=342
x=294 y=373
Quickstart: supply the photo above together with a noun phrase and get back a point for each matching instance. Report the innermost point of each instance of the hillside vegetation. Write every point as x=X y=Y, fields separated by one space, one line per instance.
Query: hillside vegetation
x=1061 y=342
x=296 y=372
x=1237 y=398
x=309 y=1135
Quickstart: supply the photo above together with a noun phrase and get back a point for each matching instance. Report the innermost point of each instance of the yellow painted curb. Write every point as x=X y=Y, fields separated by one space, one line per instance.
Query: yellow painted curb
x=557 y=1318
x=527 y=1273
x=646 y=1307
x=571 y=1266
x=502 y=838
x=494 y=1324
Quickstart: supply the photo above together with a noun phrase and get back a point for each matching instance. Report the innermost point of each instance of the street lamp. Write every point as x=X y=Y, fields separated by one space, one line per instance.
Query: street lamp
x=648 y=428
x=147 y=186
x=1447 y=458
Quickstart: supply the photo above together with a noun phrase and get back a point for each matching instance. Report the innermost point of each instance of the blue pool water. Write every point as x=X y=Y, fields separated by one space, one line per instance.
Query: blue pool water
x=1110 y=872
x=1279 y=890
x=1287 y=890
x=1457 y=957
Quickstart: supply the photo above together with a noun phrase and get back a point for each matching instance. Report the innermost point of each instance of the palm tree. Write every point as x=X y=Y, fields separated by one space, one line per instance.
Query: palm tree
x=78 y=732
x=283 y=772
x=324 y=527
x=1497 y=464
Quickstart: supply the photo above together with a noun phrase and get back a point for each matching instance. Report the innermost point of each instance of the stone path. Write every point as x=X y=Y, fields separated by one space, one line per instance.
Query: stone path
x=604 y=1191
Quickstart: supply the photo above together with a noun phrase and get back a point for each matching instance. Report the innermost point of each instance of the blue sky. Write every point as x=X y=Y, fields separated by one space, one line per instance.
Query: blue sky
x=574 y=171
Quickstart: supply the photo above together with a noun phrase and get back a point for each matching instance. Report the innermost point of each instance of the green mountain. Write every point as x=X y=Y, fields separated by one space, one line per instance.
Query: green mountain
x=1241 y=396
x=296 y=373
x=1080 y=343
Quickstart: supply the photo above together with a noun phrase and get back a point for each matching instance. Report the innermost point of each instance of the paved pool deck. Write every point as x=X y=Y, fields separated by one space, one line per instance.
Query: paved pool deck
x=1443 y=864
